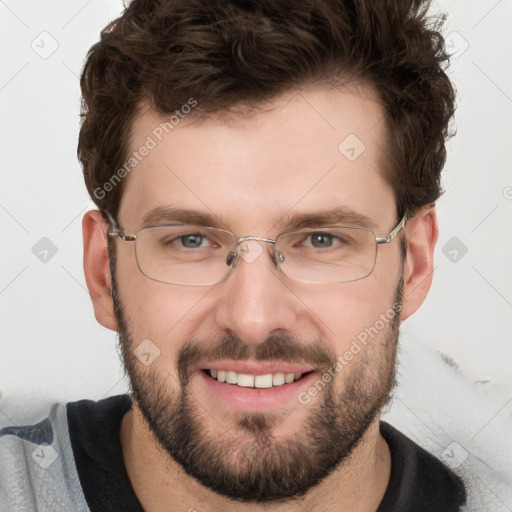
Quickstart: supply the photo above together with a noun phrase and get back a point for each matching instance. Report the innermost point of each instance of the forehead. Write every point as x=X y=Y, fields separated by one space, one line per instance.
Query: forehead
x=303 y=153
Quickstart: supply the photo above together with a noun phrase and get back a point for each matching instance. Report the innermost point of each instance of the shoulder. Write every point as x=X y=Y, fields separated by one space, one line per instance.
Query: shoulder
x=33 y=454
x=36 y=449
x=94 y=428
x=418 y=481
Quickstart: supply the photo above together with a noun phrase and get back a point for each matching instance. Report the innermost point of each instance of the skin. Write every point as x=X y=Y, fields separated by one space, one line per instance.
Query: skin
x=238 y=167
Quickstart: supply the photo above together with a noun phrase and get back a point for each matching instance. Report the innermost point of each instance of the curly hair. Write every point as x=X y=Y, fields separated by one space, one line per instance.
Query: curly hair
x=227 y=54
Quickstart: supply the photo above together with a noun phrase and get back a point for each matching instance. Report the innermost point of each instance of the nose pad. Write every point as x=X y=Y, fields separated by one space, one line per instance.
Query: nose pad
x=249 y=251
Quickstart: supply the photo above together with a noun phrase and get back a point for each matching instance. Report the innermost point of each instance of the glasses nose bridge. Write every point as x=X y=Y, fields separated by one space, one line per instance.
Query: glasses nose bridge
x=256 y=238
x=234 y=254
x=251 y=238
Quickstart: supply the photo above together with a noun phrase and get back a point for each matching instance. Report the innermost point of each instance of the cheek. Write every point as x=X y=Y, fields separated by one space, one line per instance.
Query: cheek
x=362 y=320
x=156 y=311
x=356 y=312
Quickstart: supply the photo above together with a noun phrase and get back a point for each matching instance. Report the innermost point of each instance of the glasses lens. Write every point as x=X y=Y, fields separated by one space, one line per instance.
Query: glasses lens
x=327 y=255
x=187 y=255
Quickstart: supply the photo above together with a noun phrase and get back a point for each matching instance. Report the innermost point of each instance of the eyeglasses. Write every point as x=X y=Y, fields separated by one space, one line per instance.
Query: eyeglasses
x=201 y=256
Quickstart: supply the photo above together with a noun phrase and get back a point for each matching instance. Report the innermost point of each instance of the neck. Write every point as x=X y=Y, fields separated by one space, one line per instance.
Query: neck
x=358 y=485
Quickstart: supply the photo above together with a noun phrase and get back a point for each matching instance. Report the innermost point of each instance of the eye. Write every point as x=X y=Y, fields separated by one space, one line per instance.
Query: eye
x=321 y=240
x=325 y=240
x=186 y=241
x=192 y=240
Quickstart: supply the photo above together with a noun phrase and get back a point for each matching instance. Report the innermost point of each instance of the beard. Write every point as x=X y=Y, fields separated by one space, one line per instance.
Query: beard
x=250 y=463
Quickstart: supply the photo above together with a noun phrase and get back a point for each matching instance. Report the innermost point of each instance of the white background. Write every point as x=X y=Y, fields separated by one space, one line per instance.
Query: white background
x=51 y=347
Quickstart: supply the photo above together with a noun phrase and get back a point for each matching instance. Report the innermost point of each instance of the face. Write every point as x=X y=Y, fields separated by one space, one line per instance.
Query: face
x=251 y=173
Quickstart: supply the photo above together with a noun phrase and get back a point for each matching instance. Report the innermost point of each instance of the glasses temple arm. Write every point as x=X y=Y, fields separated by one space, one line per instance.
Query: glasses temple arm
x=385 y=240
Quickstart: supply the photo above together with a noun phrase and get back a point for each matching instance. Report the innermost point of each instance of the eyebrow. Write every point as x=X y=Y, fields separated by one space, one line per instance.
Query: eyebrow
x=333 y=216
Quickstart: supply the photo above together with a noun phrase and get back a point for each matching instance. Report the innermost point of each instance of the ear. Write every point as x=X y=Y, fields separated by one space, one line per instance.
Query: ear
x=422 y=233
x=96 y=268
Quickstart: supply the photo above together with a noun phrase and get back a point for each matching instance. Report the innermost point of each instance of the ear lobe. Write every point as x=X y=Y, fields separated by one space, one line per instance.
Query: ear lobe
x=422 y=234
x=96 y=268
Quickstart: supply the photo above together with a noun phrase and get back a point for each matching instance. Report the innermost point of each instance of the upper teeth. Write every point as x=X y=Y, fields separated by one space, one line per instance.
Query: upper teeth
x=254 y=381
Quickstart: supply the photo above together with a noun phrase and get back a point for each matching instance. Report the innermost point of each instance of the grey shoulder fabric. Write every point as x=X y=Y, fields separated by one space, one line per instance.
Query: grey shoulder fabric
x=37 y=467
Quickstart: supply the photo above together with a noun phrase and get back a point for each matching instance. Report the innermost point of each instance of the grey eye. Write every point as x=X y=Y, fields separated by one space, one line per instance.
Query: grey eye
x=321 y=240
x=191 y=241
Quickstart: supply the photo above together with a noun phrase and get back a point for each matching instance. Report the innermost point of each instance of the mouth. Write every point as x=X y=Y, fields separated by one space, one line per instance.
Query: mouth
x=255 y=386
x=262 y=381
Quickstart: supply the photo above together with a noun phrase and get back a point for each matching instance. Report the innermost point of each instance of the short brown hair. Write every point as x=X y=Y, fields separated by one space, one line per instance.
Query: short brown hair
x=229 y=53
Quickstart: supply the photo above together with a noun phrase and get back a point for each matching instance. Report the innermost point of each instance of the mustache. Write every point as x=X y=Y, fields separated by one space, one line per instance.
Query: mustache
x=278 y=347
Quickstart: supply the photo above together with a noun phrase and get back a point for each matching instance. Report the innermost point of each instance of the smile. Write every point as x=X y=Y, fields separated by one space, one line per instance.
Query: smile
x=245 y=380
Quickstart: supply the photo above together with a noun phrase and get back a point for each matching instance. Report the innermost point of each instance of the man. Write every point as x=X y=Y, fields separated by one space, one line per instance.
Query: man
x=266 y=177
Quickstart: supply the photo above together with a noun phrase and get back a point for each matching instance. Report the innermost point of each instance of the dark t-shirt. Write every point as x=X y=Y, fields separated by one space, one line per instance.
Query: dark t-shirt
x=419 y=482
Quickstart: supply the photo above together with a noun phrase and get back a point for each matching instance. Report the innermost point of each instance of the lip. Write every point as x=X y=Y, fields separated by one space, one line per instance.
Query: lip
x=254 y=399
x=255 y=367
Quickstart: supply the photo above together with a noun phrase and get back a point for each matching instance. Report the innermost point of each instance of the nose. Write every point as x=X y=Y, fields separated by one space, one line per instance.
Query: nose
x=255 y=299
